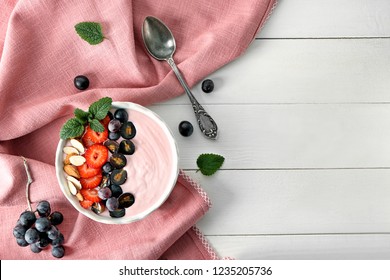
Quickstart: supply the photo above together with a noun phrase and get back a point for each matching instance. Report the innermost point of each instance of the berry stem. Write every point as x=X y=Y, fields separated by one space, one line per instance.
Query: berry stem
x=29 y=181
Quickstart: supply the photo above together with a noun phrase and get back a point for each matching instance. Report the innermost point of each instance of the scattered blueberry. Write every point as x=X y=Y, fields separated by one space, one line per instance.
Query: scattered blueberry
x=107 y=167
x=81 y=82
x=118 y=176
x=121 y=115
x=207 y=86
x=114 y=125
x=114 y=135
x=126 y=147
x=104 y=193
x=118 y=161
x=112 y=204
x=116 y=190
x=186 y=128
x=128 y=130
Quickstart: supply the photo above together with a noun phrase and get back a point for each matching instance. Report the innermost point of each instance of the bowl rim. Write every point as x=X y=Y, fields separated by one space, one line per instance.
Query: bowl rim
x=123 y=220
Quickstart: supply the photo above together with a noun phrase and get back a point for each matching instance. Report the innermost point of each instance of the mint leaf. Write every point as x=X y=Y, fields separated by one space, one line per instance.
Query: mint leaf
x=96 y=125
x=81 y=115
x=99 y=109
x=71 y=129
x=208 y=164
x=90 y=32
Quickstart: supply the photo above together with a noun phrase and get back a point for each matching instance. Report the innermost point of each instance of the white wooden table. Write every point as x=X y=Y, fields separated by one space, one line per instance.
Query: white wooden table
x=304 y=118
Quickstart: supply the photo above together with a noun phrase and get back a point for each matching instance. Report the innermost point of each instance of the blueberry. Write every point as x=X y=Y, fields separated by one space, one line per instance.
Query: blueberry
x=58 y=241
x=31 y=236
x=112 y=204
x=112 y=146
x=21 y=242
x=125 y=200
x=19 y=231
x=58 y=252
x=81 y=82
x=56 y=218
x=44 y=241
x=121 y=115
x=53 y=233
x=186 y=128
x=43 y=208
x=207 y=86
x=43 y=224
x=34 y=248
x=27 y=219
x=104 y=193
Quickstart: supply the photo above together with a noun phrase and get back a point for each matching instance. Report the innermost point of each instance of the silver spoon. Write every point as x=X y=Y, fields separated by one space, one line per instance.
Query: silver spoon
x=161 y=45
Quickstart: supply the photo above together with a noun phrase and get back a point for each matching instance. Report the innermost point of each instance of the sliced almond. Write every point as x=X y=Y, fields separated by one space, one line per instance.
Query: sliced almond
x=72 y=171
x=77 y=160
x=78 y=145
x=70 y=150
x=79 y=196
x=66 y=160
x=75 y=182
x=72 y=188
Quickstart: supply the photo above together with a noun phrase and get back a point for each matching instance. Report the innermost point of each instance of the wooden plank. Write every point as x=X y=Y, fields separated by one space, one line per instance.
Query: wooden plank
x=296 y=202
x=303 y=71
x=328 y=18
x=303 y=247
x=288 y=136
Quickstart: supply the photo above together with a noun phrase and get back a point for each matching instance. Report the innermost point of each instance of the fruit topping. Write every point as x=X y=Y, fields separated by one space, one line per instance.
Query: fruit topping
x=118 y=213
x=112 y=146
x=121 y=115
x=114 y=135
x=106 y=120
x=125 y=200
x=128 y=130
x=118 y=176
x=96 y=155
x=86 y=171
x=104 y=193
x=92 y=182
x=114 y=125
x=116 y=190
x=207 y=86
x=112 y=204
x=86 y=204
x=126 y=147
x=118 y=161
x=72 y=171
x=81 y=82
x=95 y=137
x=186 y=128
x=90 y=194
x=107 y=167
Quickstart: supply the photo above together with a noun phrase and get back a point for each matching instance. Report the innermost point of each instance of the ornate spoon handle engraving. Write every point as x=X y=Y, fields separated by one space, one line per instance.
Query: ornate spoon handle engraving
x=206 y=123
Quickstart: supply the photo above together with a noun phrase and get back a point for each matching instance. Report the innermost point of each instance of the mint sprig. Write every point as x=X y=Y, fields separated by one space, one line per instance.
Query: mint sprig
x=97 y=111
x=90 y=32
x=208 y=164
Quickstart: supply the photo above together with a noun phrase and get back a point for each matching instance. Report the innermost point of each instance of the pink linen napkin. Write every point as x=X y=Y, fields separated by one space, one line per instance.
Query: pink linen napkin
x=41 y=54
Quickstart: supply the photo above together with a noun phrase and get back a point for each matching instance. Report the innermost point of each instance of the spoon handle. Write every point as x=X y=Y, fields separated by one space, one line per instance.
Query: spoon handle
x=206 y=123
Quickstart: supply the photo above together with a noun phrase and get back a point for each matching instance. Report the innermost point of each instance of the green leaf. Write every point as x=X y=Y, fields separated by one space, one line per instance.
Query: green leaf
x=96 y=125
x=71 y=129
x=81 y=115
x=90 y=32
x=208 y=164
x=99 y=109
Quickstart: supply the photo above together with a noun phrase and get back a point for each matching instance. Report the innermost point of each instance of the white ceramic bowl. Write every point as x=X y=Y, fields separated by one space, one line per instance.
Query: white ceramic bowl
x=152 y=169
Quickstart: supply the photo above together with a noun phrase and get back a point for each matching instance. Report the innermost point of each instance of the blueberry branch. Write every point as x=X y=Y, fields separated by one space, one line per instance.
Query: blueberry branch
x=29 y=181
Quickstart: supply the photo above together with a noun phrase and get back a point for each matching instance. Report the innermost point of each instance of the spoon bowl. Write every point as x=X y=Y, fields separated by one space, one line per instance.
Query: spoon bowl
x=161 y=45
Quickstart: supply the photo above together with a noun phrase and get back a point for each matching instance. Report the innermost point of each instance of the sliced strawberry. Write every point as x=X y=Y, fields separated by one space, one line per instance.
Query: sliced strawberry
x=86 y=171
x=105 y=121
x=92 y=182
x=96 y=155
x=87 y=141
x=86 y=204
x=96 y=137
x=90 y=194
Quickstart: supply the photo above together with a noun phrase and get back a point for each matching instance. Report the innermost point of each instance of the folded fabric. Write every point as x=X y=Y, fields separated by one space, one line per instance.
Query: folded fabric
x=41 y=54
